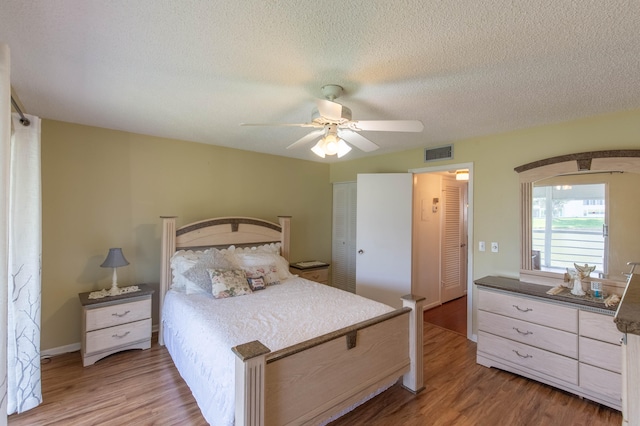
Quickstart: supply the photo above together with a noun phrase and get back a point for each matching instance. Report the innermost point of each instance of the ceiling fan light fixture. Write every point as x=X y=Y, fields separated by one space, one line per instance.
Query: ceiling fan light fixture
x=330 y=144
x=343 y=148
x=318 y=149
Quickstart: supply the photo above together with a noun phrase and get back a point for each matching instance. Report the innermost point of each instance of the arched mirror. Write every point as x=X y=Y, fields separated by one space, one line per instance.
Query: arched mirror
x=580 y=208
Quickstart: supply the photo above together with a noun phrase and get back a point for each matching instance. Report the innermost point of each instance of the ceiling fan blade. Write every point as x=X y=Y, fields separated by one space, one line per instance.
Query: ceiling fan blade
x=307 y=138
x=329 y=110
x=388 y=125
x=358 y=140
x=283 y=124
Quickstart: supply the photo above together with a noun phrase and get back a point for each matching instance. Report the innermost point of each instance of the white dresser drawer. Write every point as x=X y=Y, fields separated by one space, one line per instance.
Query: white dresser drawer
x=551 y=339
x=599 y=381
x=122 y=313
x=547 y=314
x=599 y=327
x=601 y=354
x=557 y=366
x=113 y=337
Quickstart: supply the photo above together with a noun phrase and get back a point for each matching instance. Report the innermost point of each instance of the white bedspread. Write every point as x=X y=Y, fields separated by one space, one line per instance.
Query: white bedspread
x=200 y=331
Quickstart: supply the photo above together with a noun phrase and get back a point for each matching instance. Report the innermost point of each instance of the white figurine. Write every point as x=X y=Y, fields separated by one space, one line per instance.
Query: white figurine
x=582 y=272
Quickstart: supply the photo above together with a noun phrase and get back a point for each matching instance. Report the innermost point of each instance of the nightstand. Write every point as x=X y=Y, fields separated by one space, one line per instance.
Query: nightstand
x=312 y=270
x=115 y=323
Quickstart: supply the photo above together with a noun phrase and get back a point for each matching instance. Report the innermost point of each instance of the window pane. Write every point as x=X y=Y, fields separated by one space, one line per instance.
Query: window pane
x=568 y=223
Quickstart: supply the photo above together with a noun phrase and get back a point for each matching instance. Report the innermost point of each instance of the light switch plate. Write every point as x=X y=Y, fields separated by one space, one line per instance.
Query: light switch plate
x=494 y=247
x=481 y=246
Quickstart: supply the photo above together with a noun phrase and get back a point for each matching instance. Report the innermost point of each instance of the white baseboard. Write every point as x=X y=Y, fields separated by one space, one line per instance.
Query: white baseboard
x=60 y=350
x=72 y=347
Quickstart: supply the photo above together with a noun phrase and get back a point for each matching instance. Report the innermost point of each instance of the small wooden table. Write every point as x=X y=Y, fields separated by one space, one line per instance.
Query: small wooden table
x=312 y=270
x=115 y=323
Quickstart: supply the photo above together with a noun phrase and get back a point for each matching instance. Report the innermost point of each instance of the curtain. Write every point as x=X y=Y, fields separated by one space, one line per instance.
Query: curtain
x=24 y=268
x=5 y=155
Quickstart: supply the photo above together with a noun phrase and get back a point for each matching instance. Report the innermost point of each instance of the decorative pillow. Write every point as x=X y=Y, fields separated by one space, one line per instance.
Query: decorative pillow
x=268 y=272
x=198 y=274
x=261 y=258
x=228 y=283
x=257 y=283
x=182 y=261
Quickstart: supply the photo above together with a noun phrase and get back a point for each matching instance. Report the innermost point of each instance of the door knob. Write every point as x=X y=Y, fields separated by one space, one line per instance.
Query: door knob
x=360 y=251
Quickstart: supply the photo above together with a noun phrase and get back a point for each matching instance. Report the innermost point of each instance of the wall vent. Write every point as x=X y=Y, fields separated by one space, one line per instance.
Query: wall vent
x=439 y=153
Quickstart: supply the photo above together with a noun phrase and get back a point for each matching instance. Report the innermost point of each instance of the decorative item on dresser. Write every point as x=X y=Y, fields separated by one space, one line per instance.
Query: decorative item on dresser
x=115 y=323
x=313 y=270
x=566 y=342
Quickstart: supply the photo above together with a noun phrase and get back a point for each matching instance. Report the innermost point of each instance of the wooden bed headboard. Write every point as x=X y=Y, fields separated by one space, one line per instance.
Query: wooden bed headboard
x=220 y=232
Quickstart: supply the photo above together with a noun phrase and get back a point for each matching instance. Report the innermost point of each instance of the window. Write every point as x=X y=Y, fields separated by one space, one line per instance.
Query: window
x=569 y=226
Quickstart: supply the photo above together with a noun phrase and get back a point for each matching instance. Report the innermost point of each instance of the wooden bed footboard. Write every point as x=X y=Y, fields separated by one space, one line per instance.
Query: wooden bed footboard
x=315 y=380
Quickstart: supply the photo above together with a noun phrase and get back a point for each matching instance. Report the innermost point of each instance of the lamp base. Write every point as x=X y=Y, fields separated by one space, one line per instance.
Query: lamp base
x=113 y=291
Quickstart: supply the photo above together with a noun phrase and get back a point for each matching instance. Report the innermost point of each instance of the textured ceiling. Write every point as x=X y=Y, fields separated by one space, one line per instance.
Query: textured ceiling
x=194 y=70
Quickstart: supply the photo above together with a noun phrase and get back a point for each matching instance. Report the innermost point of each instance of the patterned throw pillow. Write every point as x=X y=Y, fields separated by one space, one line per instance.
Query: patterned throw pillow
x=228 y=283
x=257 y=283
x=268 y=272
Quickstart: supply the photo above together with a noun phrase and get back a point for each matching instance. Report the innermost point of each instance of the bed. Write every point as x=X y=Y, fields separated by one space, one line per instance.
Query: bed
x=295 y=353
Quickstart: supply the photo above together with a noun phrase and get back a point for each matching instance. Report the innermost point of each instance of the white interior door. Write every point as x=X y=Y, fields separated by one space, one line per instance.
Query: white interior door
x=454 y=240
x=384 y=231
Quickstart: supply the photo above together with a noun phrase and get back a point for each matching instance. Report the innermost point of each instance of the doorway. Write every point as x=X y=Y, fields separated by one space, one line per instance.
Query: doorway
x=388 y=289
x=442 y=255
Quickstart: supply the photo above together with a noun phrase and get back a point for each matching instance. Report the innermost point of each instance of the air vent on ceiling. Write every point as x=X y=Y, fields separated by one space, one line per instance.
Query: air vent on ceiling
x=439 y=153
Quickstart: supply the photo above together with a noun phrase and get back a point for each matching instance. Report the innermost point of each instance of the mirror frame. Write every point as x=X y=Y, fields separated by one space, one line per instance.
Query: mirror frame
x=595 y=161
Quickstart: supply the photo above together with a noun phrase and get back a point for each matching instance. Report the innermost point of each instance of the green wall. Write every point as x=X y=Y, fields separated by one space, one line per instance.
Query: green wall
x=104 y=188
x=495 y=183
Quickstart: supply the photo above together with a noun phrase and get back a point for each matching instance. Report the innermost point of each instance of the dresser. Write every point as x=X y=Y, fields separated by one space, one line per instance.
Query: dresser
x=318 y=273
x=115 y=323
x=571 y=346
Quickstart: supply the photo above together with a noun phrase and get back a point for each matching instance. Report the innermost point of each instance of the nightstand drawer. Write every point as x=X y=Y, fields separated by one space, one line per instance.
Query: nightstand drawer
x=121 y=313
x=317 y=275
x=114 y=337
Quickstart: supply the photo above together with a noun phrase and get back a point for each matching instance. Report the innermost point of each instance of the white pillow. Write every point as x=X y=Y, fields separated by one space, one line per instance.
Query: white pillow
x=260 y=258
x=270 y=248
x=190 y=268
x=181 y=262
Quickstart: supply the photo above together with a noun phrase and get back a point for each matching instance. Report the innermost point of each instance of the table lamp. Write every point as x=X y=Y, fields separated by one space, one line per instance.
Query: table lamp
x=115 y=259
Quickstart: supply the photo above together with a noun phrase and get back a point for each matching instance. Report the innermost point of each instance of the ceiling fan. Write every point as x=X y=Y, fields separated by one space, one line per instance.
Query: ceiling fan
x=334 y=125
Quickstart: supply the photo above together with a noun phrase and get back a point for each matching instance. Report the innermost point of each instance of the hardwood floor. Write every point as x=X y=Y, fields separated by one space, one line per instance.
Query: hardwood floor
x=451 y=315
x=144 y=388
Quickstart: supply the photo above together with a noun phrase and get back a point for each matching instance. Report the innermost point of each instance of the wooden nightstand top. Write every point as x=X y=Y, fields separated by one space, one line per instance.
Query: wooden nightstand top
x=309 y=265
x=145 y=290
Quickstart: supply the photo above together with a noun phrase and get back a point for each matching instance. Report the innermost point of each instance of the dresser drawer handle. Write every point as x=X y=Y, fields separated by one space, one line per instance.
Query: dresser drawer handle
x=522 y=310
x=525 y=333
x=120 y=336
x=120 y=315
x=522 y=356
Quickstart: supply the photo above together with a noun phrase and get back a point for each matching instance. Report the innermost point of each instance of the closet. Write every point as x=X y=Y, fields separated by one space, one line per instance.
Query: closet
x=343 y=241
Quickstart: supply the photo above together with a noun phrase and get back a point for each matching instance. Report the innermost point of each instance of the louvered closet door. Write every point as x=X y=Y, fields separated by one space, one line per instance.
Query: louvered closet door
x=343 y=257
x=454 y=240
